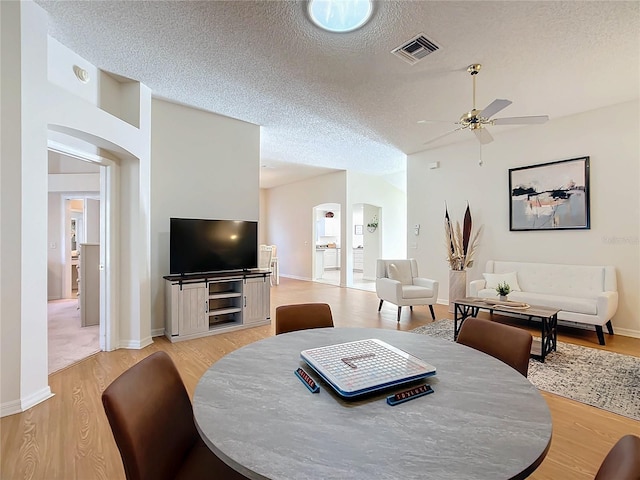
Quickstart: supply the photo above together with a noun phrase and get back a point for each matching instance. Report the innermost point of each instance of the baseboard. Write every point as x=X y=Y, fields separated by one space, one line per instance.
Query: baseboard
x=136 y=345
x=17 y=406
x=626 y=332
x=295 y=277
x=157 y=332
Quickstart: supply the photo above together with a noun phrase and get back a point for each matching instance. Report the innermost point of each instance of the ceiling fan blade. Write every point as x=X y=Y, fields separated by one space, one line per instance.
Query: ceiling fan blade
x=483 y=136
x=494 y=107
x=442 y=136
x=521 y=120
x=434 y=121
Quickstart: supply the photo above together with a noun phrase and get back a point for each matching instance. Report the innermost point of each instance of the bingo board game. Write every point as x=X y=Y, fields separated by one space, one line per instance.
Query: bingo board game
x=363 y=366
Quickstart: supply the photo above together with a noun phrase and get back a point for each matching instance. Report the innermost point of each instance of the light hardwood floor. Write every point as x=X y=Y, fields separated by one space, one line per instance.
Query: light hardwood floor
x=68 y=436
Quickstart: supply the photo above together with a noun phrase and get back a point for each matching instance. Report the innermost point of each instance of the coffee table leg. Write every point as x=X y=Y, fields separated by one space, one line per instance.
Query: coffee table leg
x=464 y=311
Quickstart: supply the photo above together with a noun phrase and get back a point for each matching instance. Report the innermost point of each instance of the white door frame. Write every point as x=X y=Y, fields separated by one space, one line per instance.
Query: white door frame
x=109 y=175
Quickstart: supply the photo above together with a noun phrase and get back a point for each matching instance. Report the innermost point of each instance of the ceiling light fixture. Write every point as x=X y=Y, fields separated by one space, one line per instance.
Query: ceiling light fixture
x=340 y=16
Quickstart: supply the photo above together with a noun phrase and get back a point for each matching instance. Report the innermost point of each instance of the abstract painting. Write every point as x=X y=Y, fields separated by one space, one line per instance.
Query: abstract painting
x=550 y=196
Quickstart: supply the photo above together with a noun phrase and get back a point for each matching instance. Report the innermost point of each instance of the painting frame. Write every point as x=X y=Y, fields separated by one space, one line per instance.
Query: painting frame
x=358 y=230
x=550 y=196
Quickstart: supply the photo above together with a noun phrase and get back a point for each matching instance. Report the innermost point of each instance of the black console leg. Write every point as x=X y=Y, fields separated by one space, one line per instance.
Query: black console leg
x=610 y=327
x=433 y=315
x=600 y=334
x=380 y=306
x=399 y=311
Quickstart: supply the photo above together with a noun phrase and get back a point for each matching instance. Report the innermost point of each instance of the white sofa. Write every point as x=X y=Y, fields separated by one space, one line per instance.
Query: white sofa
x=583 y=294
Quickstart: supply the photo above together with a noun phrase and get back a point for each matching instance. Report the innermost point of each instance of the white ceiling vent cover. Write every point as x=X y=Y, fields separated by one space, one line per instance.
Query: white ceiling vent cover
x=415 y=49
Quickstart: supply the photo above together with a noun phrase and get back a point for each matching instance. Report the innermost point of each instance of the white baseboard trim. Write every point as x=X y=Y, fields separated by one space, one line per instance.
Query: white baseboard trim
x=626 y=332
x=295 y=277
x=20 y=405
x=136 y=345
x=157 y=332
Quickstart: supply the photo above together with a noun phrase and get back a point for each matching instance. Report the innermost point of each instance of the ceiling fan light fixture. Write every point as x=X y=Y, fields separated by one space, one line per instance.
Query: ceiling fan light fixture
x=340 y=16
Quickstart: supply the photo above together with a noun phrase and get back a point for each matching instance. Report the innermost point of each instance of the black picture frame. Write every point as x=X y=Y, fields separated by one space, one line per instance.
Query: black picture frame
x=550 y=196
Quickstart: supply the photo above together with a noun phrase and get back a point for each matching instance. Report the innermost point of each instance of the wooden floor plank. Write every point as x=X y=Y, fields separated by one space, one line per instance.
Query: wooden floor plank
x=68 y=436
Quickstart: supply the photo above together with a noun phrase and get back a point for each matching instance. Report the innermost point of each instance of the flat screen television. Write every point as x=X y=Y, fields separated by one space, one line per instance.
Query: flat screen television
x=204 y=246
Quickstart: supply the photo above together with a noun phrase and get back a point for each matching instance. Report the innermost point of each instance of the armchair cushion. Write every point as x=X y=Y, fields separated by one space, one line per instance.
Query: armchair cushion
x=401 y=273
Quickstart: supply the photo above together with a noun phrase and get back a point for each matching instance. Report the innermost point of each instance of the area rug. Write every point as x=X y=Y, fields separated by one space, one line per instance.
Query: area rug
x=602 y=379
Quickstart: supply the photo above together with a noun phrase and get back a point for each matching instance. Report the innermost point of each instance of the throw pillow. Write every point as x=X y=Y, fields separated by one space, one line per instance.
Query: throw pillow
x=400 y=274
x=493 y=279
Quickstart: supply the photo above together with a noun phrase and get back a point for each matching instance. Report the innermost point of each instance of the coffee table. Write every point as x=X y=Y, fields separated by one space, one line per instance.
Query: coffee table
x=470 y=306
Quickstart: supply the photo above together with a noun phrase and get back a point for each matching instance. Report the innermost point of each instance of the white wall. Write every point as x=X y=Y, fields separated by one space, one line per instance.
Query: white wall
x=392 y=220
x=290 y=222
x=291 y=219
x=203 y=166
x=30 y=105
x=610 y=136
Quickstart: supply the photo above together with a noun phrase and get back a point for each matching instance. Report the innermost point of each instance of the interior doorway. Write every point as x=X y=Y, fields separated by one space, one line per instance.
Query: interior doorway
x=365 y=245
x=327 y=248
x=73 y=283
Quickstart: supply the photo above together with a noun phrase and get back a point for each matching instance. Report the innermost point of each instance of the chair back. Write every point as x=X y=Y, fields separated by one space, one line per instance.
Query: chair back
x=151 y=417
x=265 y=254
x=623 y=461
x=382 y=266
x=290 y=318
x=509 y=344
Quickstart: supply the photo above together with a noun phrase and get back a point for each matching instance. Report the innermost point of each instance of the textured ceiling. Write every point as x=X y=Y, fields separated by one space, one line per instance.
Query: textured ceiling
x=343 y=101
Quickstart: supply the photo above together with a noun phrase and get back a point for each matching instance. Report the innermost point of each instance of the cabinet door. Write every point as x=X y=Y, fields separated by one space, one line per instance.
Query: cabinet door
x=332 y=227
x=257 y=300
x=331 y=258
x=192 y=306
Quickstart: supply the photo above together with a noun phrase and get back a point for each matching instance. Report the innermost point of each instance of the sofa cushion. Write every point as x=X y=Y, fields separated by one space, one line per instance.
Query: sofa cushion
x=493 y=279
x=587 y=306
x=413 y=291
x=401 y=272
x=556 y=279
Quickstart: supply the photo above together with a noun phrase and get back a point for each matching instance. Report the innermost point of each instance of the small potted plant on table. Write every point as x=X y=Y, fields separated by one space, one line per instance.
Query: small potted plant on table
x=503 y=290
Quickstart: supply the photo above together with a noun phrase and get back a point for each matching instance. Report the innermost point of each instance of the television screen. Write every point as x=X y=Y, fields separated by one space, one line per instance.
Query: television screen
x=202 y=246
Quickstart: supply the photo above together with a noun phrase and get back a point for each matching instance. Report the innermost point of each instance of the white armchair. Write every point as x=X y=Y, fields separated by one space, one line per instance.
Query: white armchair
x=397 y=281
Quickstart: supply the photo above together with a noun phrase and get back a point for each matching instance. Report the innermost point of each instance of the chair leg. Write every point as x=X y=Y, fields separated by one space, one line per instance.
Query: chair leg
x=433 y=315
x=600 y=334
x=610 y=327
x=399 y=310
x=380 y=306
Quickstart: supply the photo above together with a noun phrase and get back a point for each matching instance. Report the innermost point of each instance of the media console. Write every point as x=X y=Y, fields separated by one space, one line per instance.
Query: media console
x=206 y=304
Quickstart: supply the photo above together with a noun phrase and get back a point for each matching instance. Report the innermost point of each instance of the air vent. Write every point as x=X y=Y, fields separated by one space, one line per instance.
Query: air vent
x=415 y=49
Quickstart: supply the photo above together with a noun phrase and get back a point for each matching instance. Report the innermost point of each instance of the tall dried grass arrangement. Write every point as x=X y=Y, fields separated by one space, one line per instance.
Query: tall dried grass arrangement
x=461 y=243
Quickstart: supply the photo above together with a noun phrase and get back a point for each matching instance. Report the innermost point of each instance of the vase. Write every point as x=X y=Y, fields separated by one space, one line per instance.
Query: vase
x=457 y=286
x=503 y=298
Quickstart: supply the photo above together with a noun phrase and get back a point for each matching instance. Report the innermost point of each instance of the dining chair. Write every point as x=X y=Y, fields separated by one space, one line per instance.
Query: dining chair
x=509 y=344
x=151 y=418
x=623 y=460
x=290 y=318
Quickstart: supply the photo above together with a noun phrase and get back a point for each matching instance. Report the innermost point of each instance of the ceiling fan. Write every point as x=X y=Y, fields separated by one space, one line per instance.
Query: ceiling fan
x=477 y=120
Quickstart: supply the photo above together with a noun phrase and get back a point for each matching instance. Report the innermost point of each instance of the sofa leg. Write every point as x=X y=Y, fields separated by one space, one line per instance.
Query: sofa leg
x=600 y=334
x=411 y=308
x=399 y=310
x=433 y=315
x=380 y=306
x=610 y=327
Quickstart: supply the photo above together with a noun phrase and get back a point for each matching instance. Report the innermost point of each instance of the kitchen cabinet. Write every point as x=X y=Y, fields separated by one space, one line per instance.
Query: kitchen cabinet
x=328 y=227
x=358 y=259
x=331 y=258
